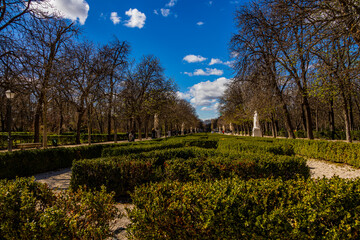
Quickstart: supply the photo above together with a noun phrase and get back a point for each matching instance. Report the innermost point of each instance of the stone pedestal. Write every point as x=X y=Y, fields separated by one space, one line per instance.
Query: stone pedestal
x=256 y=132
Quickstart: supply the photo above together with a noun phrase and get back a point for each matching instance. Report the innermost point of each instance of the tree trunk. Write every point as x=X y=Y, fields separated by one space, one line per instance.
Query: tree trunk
x=332 y=119
x=109 y=125
x=45 y=123
x=78 y=126
x=303 y=118
x=273 y=127
x=139 y=128
x=38 y=113
x=288 y=124
x=309 y=130
x=89 y=125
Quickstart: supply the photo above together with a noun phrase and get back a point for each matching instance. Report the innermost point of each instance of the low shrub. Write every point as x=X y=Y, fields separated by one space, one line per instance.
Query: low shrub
x=122 y=174
x=30 y=162
x=118 y=176
x=119 y=151
x=341 y=152
x=244 y=167
x=255 y=145
x=254 y=209
x=30 y=210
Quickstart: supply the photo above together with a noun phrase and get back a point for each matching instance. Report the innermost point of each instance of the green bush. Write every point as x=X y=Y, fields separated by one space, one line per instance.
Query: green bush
x=255 y=145
x=118 y=176
x=341 y=152
x=254 y=209
x=244 y=167
x=30 y=210
x=30 y=162
x=119 y=151
x=123 y=173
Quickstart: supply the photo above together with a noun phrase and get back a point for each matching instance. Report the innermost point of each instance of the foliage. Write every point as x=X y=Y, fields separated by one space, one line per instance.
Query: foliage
x=30 y=162
x=30 y=210
x=254 y=209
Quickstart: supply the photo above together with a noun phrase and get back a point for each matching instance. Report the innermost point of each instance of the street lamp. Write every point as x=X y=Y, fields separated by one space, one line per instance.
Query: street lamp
x=9 y=95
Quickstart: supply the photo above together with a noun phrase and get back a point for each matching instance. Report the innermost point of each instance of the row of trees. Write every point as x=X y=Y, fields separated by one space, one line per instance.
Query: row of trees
x=297 y=64
x=61 y=79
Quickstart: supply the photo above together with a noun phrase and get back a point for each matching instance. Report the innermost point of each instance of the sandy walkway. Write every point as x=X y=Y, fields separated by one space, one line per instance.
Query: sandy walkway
x=60 y=180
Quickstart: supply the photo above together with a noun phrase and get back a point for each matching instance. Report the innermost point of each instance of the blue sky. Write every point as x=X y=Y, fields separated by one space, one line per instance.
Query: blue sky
x=190 y=37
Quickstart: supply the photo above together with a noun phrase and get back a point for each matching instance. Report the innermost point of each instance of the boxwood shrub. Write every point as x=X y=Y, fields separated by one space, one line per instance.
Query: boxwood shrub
x=254 y=209
x=30 y=210
x=30 y=162
x=123 y=173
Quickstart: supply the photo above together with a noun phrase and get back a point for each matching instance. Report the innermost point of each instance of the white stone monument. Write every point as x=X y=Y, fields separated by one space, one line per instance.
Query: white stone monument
x=256 y=129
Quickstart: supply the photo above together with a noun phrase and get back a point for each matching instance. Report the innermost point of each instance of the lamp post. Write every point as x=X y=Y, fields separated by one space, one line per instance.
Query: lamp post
x=9 y=95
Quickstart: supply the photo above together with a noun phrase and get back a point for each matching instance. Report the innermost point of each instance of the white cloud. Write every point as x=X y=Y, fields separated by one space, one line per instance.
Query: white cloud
x=171 y=3
x=75 y=10
x=218 y=61
x=215 y=61
x=234 y=54
x=200 y=23
x=193 y=59
x=181 y=95
x=165 y=12
x=115 y=18
x=210 y=3
x=213 y=107
x=207 y=72
x=206 y=93
x=156 y=12
x=137 y=18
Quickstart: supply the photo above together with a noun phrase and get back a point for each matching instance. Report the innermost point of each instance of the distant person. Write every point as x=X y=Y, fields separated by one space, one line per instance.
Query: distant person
x=133 y=136
x=153 y=133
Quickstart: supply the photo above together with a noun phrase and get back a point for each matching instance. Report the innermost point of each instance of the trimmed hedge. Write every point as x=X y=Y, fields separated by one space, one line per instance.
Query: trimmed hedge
x=254 y=209
x=123 y=173
x=30 y=162
x=30 y=210
x=341 y=152
x=255 y=145
x=245 y=167
x=119 y=151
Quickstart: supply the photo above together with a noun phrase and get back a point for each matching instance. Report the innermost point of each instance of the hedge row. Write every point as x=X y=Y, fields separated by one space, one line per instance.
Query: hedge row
x=341 y=152
x=123 y=173
x=64 y=139
x=30 y=162
x=254 y=209
x=243 y=144
x=139 y=148
x=30 y=210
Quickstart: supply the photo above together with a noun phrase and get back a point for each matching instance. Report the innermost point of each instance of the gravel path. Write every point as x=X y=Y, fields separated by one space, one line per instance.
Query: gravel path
x=60 y=180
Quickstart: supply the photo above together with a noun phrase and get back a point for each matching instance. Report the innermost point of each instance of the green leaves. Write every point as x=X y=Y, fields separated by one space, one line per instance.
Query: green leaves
x=30 y=210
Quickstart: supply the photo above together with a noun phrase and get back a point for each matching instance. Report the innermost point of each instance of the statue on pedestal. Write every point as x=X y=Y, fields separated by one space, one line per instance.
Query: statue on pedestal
x=256 y=129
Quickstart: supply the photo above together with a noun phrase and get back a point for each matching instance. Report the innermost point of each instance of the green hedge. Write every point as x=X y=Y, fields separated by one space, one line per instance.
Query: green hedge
x=138 y=148
x=30 y=210
x=254 y=209
x=341 y=152
x=30 y=162
x=244 y=167
x=64 y=139
x=244 y=144
x=123 y=173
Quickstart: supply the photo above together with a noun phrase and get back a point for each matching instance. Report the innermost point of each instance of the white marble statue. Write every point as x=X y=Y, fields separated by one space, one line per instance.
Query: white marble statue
x=256 y=120
x=256 y=129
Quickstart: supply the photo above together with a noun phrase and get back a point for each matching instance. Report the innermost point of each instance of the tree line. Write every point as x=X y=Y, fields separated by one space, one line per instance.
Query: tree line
x=64 y=82
x=297 y=64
